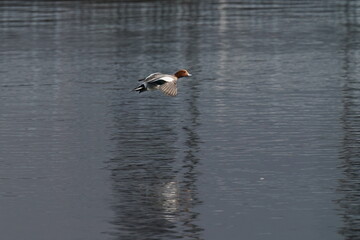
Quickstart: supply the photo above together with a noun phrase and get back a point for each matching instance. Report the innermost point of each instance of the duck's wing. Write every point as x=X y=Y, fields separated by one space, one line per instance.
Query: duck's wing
x=152 y=77
x=166 y=83
x=159 y=79
x=169 y=88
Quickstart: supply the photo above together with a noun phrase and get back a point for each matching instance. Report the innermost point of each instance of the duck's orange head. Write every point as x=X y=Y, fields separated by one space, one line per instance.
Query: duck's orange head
x=182 y=73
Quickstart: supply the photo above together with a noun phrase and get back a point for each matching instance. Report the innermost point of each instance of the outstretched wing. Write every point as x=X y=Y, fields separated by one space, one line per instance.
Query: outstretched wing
x=169 y=88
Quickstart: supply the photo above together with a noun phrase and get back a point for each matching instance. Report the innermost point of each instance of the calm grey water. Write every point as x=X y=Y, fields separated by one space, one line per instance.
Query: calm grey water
x=263 y=142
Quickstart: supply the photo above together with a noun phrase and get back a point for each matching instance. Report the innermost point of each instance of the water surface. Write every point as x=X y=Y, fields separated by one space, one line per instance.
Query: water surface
x=261 y=143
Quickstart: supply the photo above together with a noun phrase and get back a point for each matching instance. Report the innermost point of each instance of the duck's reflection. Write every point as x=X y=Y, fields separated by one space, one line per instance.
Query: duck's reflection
x=153 y=200
x=170 y=200
x=154 y=173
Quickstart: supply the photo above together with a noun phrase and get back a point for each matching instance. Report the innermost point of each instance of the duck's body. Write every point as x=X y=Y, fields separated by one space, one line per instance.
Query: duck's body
x=164 y=82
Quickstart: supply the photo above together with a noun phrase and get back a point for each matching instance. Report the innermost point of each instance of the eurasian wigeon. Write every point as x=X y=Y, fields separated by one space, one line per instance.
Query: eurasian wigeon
x=164 y=82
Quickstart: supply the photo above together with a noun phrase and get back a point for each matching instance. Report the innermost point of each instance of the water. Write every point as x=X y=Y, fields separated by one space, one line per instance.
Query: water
x=261 y=143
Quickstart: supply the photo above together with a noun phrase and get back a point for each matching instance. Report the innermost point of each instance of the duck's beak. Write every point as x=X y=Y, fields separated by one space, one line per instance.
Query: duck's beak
x=189 y=75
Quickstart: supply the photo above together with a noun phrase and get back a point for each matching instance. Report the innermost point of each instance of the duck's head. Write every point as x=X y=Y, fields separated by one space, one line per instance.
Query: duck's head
x=182 y=73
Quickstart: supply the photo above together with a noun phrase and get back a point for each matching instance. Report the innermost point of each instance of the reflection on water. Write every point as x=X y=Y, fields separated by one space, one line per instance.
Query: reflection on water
x=349 y=184
x=249 y=148
x=154 y=172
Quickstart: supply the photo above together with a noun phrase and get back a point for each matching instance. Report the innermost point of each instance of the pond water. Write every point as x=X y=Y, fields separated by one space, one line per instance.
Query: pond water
x=262 y=142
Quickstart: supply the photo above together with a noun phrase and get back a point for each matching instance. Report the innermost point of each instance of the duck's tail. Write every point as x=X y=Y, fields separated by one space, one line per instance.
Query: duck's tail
x=140 y=88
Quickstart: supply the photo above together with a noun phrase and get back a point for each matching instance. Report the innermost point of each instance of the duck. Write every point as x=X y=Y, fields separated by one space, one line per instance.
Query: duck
x=163 y=82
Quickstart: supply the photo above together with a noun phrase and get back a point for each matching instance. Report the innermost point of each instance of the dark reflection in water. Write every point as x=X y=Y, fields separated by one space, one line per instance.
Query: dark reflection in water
x=154 y=173
x=349 y=184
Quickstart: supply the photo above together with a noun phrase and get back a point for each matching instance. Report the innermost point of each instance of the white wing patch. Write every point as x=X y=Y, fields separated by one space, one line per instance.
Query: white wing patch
x=167 y=79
